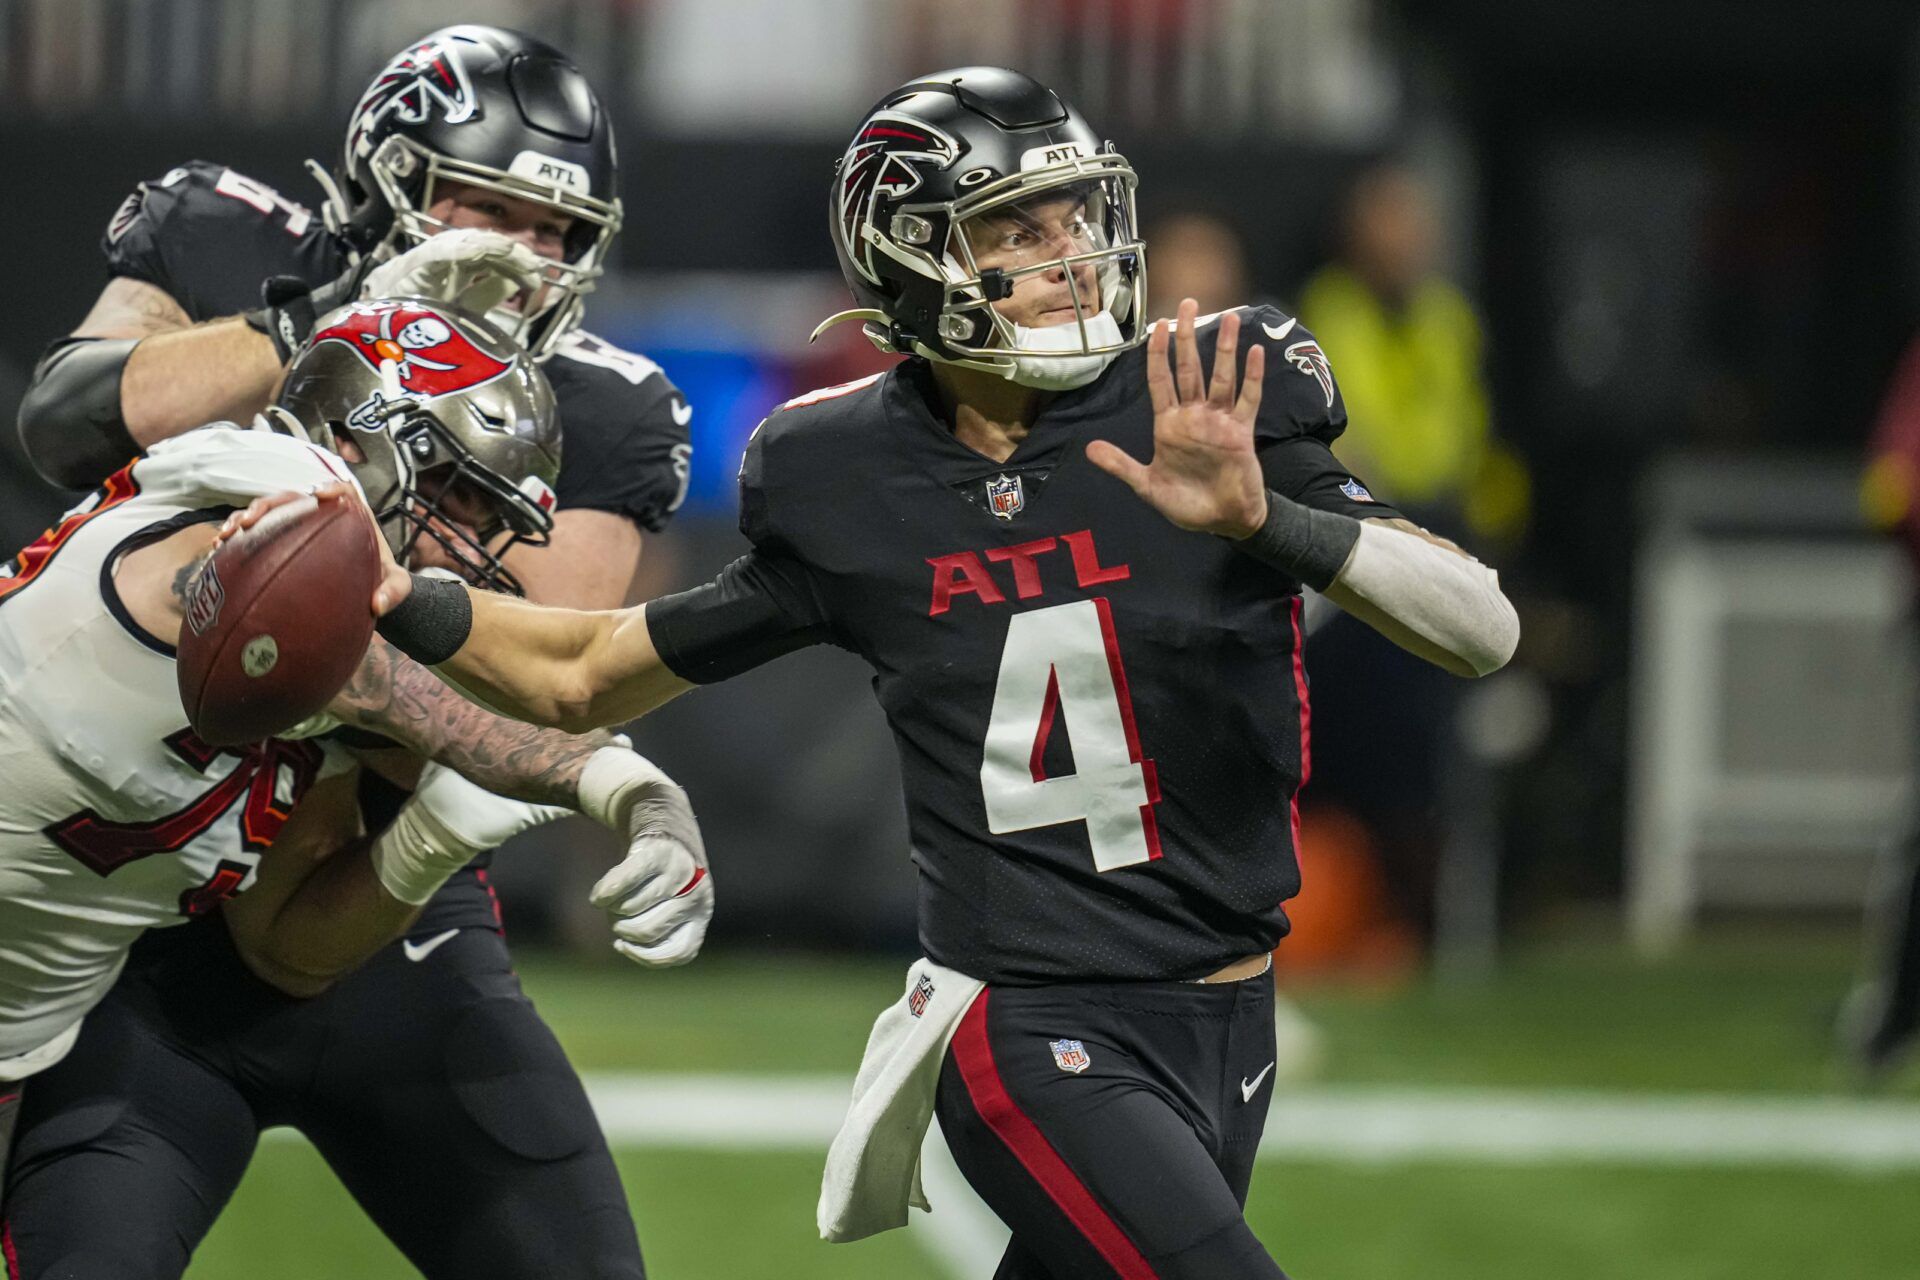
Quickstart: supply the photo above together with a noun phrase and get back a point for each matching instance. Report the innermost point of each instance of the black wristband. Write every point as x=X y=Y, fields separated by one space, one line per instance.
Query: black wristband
x=1310 y=544
x=432 y=623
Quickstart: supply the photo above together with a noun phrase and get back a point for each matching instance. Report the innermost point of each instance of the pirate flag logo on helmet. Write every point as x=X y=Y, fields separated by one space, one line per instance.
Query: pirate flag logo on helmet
x=433 y=357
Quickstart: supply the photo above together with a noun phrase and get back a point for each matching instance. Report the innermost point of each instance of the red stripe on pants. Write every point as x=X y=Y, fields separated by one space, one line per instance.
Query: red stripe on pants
x=974 y=1056
x=7 y=1250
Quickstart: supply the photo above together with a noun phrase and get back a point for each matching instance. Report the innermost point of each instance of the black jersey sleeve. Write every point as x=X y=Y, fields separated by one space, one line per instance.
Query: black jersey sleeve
x=1299 y=395
x=760 y=607
x=625 y=445
x=209 y=235
x=763 y=605
x=133 y=238
x=1304 y=469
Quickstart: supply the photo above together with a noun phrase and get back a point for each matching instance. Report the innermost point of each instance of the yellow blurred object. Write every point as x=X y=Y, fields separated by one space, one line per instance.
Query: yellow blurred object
x=1886 y=491
x=1500 y=498
x=1417 y=419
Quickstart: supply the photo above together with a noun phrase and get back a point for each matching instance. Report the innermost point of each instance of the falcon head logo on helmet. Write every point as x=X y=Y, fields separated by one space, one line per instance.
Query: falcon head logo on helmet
x=884 y=160
x=420 y=78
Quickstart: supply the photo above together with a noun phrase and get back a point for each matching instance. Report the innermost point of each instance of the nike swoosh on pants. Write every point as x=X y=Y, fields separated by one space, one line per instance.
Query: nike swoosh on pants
x=418 y=951
x=1248 y=1090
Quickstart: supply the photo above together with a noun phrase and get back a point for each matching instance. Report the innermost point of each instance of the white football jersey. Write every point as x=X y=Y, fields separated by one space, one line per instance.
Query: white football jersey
x=114 y=817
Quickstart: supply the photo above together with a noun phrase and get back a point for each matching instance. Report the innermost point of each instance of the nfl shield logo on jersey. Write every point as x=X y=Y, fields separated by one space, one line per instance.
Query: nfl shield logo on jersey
x=922 y=992
x=1070 y=1055
x=1004 y=496
x=203 y=607
x=1355 y=490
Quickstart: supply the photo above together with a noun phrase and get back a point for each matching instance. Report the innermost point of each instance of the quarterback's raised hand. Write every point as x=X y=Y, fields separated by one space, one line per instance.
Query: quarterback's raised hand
x=660 y=895
x=1205 y=474
x=470 y=268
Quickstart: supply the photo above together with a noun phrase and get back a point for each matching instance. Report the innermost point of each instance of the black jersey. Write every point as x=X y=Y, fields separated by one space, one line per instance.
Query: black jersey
x=1101 y=718
x=209 y=236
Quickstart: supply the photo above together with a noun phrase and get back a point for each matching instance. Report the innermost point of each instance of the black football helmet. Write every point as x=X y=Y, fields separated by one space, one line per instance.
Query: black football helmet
x=945 y=157
x=492 y=108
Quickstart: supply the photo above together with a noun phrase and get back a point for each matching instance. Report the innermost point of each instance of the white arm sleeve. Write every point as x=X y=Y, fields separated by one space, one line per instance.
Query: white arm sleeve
x=1452 y=601
x=447 y=823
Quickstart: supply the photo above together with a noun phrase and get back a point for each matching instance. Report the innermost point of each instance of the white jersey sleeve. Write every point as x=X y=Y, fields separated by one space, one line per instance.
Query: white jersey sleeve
x=228 y=465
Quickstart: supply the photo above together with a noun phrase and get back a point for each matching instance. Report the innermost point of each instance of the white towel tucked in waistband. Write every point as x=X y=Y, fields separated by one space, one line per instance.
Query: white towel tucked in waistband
x=873 y=1168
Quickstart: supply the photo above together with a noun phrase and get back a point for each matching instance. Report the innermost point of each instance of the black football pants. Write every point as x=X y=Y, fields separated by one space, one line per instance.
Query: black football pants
x=431 y=1087
x=1113 y=1126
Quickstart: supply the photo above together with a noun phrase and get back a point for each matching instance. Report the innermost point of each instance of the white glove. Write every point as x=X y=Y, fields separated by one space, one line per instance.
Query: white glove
x=469 y=268
x=660 y=895
x=447 y=823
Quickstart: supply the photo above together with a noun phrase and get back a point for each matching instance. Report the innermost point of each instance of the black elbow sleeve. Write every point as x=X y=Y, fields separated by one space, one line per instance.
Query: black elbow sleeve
x=70 y=423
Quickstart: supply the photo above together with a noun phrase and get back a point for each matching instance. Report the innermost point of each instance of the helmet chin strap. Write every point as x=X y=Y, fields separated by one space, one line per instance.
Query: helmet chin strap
x=1061 y=372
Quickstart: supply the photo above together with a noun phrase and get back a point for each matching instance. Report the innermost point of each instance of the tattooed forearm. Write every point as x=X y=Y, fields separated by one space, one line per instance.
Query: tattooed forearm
x=395 y=696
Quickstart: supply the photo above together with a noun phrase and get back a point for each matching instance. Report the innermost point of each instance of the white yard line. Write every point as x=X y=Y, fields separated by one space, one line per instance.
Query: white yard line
x=1349 y=1125
x=1515 y=1127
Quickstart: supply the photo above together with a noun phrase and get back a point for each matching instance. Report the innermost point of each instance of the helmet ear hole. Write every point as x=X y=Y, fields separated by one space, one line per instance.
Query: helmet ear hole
x=961 y=330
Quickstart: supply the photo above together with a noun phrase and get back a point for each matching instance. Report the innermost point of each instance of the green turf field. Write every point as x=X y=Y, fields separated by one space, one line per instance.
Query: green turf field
x=1744 y=1014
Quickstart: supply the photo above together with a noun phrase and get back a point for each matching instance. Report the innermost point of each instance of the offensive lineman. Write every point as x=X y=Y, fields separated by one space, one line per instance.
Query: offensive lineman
x=476 y=153
x=1100 y=703
x=117 y=818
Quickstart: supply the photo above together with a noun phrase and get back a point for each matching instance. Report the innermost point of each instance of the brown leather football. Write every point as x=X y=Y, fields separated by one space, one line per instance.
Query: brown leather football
x=278 y=620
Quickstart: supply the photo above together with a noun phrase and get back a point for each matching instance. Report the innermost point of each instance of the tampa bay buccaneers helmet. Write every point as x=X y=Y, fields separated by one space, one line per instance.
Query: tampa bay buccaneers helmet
x=491 y=108
x=940 y=159
x=453 y=427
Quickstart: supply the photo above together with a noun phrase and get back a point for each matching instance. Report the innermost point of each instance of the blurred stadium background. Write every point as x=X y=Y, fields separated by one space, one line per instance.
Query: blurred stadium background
x=1574 y=940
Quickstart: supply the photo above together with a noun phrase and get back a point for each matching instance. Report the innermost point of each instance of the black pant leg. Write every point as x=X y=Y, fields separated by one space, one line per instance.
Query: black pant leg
x=125 y=1153
x=1250 y=1056
x=1900 y=1015
x=452 y=1115
x=1099 y=1172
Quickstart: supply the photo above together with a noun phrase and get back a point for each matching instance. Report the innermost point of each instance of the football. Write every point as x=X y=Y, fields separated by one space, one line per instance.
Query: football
x=277 y=620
